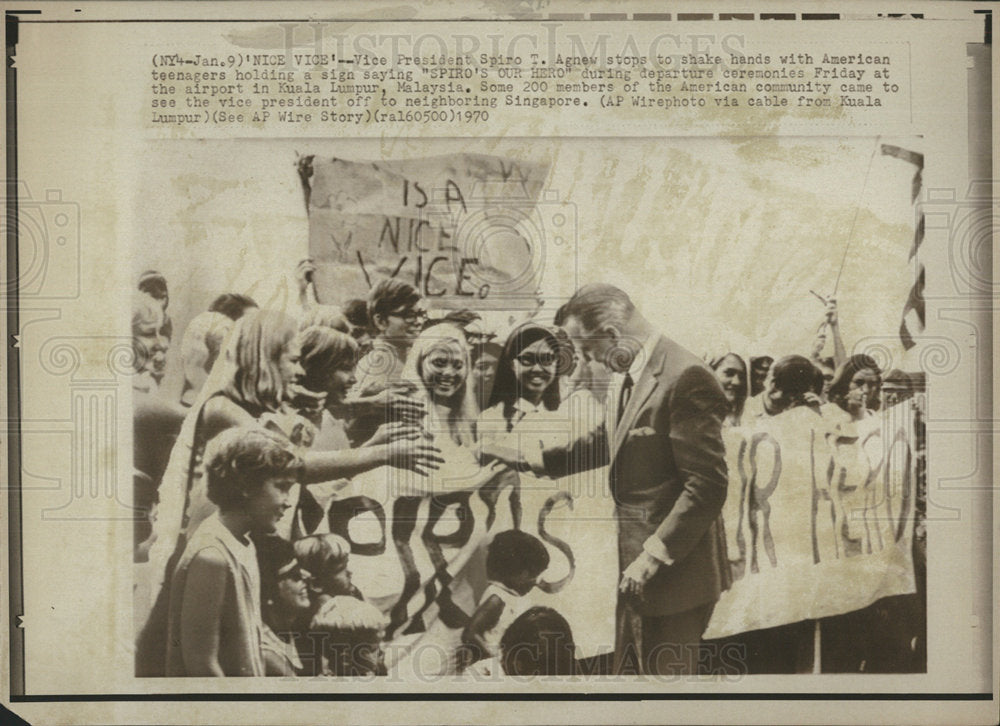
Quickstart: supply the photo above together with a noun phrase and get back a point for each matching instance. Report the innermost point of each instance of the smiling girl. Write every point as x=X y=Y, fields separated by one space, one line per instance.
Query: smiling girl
x=527 y=376
x=731 y=372
x=438 y=365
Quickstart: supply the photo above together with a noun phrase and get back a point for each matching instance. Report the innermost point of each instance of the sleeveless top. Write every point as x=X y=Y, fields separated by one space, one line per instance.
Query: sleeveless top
x=240 y=627
x=281 y=658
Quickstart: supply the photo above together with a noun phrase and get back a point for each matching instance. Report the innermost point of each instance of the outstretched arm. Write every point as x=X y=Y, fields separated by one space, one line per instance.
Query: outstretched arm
x=320 y=466
x=545 y=455
x=411 y=454
x=395 y=402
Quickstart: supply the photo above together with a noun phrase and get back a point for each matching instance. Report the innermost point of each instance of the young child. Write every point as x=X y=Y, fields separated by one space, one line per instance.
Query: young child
x=352 y=632
x=326 y=557
x=514 y=562
x=285 y=609
x=538 y=643
x=214 y=626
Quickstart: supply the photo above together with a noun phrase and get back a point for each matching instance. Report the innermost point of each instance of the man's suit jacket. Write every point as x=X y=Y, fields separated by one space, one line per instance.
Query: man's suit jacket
x=667 y=476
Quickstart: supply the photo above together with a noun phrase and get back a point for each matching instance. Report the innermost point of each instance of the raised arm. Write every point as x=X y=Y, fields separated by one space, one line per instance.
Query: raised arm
x=833 y=322
x=305 y=272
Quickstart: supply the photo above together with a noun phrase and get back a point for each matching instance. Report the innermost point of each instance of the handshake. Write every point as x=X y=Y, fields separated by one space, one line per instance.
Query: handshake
x=502 y=452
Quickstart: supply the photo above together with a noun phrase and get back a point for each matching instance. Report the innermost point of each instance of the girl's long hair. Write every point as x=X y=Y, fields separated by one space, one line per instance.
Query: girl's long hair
x=463 y=411
x=506 y=389
x=841 y=382
x=255 y=348
x=741 y=397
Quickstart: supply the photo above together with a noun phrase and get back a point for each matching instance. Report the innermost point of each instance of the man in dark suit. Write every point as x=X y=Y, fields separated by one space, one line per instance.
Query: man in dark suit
x=663 y=441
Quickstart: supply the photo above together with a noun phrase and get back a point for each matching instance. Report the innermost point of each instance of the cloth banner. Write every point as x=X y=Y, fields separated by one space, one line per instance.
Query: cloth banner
x=463 y=228
x=418 y=552
x=818 y=520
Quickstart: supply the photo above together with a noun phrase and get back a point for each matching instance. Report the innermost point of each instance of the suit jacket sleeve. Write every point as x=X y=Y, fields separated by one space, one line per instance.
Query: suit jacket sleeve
x=695 y=407
x=582 y=452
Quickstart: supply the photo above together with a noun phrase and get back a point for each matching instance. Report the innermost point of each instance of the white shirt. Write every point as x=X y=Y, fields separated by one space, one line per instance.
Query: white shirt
x=523 y=407
x=754 y=408
x=635 y=370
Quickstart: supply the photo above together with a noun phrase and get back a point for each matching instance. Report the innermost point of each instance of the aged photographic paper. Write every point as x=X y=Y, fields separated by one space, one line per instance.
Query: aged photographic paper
x=502 y=360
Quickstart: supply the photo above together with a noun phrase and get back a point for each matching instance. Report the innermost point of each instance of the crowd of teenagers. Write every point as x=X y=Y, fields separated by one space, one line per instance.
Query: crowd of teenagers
x=278 y=411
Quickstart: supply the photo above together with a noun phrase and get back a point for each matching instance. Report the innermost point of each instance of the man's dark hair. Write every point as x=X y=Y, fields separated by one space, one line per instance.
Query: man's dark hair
x=154 y=284
x=560 y=318
x=232 y=305
x=818 y=380
x=795 y=376
x=390 y=295
x=356 y=312
x=461 y=318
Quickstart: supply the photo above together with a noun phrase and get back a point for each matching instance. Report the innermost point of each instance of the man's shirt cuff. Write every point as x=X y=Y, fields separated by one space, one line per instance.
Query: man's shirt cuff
x=654 y=547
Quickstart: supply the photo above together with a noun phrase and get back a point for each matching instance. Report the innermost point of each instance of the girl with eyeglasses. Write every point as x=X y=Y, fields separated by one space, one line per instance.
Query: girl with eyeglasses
x=527 y=376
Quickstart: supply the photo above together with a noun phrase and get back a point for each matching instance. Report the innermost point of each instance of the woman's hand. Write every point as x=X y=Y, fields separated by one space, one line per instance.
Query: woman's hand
x=394 y=402
x=308 y=404
x=812 y=399
x=394 y=431
x=414 y=455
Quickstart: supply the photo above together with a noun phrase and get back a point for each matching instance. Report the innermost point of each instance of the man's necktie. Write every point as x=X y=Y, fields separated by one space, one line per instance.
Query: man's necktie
x=625 y=395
